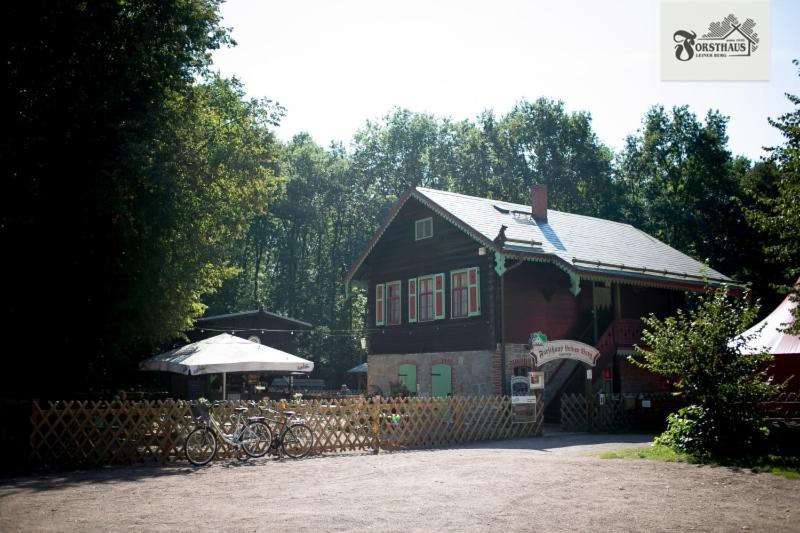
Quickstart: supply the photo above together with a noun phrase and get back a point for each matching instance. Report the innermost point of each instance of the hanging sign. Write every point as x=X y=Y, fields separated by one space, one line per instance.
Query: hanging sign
x=537 y=380
x=538 y=339
x=565 y=349
x=516 y=400
x=520 y=390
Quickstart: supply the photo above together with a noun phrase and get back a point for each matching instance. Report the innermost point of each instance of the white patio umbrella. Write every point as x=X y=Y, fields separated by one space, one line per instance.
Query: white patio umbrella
x=226 y=353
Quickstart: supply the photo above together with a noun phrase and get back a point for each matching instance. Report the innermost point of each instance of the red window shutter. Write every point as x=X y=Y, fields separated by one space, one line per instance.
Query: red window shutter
x=473 y=282
x=412 y=300
x=379 y=304
x=439 y=295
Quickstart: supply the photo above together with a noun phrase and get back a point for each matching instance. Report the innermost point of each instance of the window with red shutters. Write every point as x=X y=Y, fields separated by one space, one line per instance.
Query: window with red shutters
x=393 y=303
x=459 y=296
x=425 y=299
x=465 y=292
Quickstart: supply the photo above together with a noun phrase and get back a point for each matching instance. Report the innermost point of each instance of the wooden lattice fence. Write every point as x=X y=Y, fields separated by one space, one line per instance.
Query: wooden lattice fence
x=573 y=412
x=616 y=412
x=82 y=433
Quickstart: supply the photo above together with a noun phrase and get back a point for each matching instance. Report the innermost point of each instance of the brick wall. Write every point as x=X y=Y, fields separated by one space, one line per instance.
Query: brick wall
x=473 y=372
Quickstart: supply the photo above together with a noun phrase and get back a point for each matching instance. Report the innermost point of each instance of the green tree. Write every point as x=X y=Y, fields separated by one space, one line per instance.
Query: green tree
x=721 y=383
x=682 y=185
x=540 y=142
x=778 y=215
x=129 y=177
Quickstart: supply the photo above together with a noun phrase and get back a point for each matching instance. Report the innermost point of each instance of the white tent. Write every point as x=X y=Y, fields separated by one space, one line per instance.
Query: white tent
x=769 y=335
x=226 y=353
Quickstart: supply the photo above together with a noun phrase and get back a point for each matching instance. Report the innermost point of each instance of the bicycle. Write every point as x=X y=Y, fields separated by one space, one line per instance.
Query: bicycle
x=294 y=438
x=252 y=436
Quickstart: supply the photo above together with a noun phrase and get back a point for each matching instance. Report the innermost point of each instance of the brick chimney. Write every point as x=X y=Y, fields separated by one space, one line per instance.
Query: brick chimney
x=539 y=202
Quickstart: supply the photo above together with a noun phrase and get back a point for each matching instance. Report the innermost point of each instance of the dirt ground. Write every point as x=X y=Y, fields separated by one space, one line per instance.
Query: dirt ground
x=552 y=483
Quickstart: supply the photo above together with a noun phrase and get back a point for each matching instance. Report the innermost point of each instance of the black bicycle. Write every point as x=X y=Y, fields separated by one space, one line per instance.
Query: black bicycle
x=292 y=436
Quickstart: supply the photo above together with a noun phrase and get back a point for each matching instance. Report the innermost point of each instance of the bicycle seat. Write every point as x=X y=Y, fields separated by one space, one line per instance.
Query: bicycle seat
x=256 y=418
x=241 y=409
x=288 y=414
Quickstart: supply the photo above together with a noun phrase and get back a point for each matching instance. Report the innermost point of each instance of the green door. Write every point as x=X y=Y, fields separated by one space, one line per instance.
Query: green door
x=408 y=376
x=441 y=380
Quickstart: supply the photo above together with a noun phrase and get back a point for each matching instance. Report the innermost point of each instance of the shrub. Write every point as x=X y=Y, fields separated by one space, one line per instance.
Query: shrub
x=702 y=354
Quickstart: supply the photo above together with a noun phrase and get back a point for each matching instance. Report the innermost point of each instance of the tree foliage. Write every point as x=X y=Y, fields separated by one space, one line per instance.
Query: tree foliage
x=682 y=185
x=131 y=173
x=140 y=188
x=719 y=380
x=778 y=214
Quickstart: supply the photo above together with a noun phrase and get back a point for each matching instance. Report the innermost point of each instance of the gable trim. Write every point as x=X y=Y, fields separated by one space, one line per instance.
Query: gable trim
x=572 y=270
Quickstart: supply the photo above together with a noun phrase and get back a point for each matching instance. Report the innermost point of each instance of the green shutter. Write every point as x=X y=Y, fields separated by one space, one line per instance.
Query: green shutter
x=407 y=375
x=380 y=304
x=413 y=308
x=441 y=380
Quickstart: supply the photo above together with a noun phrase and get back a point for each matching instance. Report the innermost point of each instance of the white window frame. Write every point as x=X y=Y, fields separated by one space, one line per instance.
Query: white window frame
x=432 y=279
x=388 y=304
x=421 y=223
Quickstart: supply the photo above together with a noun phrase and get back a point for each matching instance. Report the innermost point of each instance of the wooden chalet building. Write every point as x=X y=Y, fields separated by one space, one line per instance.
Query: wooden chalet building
x=457 y=284
x=263 y=327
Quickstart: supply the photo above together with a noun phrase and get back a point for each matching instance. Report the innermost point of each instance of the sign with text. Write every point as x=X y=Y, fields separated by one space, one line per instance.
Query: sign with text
x=719 y=40
x=565 y=349
x=516 y=400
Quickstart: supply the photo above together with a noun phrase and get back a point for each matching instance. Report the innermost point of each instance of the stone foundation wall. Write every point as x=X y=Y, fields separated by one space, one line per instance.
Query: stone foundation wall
x=472 y=371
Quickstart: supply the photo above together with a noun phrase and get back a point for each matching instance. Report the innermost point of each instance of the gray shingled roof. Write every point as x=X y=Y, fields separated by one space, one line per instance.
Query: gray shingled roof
x=620 y=248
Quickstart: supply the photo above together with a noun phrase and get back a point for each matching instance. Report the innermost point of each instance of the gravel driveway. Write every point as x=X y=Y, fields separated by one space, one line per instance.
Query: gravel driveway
x=552 y=483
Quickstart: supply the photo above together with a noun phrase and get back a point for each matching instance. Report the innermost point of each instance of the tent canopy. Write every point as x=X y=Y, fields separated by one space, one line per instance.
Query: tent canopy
x=769 y=334
x=358 y=369
x=226 y=353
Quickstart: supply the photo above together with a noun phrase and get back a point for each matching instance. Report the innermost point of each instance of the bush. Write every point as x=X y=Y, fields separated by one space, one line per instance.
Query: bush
x=705 y=433
x=702 y=354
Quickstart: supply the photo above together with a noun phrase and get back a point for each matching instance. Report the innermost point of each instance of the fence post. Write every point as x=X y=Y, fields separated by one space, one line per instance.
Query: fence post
x=589 y=398
x=375 y=414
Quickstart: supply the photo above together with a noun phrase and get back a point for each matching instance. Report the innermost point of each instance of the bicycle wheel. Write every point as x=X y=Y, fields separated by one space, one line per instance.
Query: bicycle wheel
x=200 y=446
x=298 y=440
x=256 y=439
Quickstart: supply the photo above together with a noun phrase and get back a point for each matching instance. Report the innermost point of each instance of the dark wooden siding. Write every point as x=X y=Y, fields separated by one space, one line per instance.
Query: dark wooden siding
x=397 y=256
x=638 y=302
x=251 y=324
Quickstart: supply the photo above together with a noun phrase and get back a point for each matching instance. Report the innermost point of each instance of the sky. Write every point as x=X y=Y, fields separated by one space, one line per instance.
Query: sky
x=334 y=64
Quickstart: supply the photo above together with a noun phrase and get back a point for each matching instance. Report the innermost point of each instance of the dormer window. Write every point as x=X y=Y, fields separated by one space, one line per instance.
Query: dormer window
x=423 y=229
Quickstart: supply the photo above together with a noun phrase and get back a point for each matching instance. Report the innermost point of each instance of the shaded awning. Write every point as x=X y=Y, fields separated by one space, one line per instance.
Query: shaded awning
x=359 y=369
x=226 y=353
x=769 y=334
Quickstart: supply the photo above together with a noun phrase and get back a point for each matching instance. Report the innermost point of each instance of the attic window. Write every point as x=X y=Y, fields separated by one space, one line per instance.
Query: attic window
x=423 y=229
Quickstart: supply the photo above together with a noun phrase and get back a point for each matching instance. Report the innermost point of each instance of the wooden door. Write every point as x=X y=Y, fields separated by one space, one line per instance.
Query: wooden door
x=407 y=375
x=441 y=380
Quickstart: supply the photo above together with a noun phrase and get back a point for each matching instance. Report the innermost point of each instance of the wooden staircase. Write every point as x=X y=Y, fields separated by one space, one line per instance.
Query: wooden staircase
x=620 y=333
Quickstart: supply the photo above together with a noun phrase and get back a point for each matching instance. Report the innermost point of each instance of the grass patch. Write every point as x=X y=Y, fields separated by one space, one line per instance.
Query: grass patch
x=788 y=467
x=654 y=453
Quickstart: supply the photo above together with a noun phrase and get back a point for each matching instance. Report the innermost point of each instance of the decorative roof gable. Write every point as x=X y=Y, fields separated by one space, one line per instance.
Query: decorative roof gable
x=588 y=247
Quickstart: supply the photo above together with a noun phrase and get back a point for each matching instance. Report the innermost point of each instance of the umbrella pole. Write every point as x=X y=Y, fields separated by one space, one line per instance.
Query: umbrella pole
x=224 y=393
